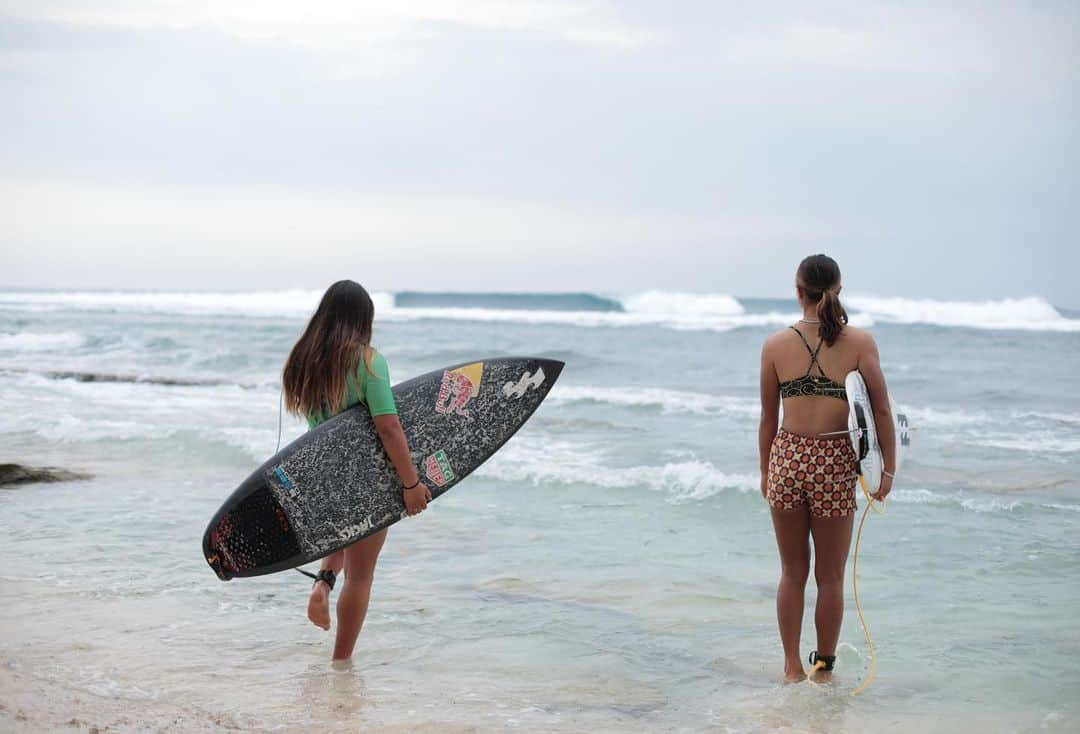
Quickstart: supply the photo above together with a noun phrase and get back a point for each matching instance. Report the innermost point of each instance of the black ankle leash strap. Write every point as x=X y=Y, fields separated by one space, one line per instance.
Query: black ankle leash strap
x=323 y=575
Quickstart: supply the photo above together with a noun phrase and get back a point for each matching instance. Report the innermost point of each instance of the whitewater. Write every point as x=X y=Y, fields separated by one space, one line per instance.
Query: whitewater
x=687 y=311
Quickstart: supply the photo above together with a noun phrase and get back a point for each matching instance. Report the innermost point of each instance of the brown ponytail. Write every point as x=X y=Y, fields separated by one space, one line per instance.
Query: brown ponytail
x=819 y=280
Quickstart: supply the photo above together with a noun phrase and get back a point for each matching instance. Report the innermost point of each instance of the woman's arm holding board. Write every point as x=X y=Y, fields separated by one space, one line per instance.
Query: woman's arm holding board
x=770 y=410
x=380 y=402
x=397 y=448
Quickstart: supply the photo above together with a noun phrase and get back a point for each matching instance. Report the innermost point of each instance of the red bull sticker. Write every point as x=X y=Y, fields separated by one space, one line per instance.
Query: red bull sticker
x=437 y=468
x=458 y=387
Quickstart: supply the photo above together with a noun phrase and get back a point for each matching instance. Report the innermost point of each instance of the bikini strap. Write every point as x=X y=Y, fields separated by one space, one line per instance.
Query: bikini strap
x=813 y=353
x=805 y=343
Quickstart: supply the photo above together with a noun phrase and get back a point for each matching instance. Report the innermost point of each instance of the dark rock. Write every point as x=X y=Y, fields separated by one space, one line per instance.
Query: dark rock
x=18 y=474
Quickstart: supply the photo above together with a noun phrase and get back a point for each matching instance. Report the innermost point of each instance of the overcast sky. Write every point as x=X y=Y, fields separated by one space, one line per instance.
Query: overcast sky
x=548 y=145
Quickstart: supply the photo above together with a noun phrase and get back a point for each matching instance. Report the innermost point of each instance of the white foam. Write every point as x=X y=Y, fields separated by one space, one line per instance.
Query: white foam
x=71 y=429
x=682 y=311
x=689 y=320
x=927 y=417
x=1032 y=443
x=543 y=463
x=917 y=497
x=72 y=412
x=985 y=503
x=284 y=303
x=31 y=342
x=989 y=504
x=1033 y=313
x=692 y=480
x=531 y=462
x=975 y=504
x=1070 y=418
x=668 y=401
x=681 y=305
x=1059 y=506
x=940 y=417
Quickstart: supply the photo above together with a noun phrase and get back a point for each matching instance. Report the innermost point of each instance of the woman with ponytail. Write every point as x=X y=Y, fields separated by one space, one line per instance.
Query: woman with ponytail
x=808 y=466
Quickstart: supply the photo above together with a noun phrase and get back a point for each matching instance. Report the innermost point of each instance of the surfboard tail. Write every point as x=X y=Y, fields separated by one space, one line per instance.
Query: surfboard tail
x=255 y=533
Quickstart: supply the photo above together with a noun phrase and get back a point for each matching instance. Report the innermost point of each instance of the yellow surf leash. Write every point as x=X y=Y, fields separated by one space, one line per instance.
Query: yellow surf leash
x=871 y=504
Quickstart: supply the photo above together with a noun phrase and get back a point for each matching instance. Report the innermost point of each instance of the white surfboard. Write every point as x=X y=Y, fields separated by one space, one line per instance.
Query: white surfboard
x=863 y=433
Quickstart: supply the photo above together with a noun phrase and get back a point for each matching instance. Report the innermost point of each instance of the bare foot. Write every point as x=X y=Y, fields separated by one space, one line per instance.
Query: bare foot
x=794 y=673
x=318 y=607
x=821 y=676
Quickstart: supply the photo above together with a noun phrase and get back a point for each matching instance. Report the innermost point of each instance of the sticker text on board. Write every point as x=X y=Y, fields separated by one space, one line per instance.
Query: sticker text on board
x=437 y=468
x=458 y=387
x=516 y=390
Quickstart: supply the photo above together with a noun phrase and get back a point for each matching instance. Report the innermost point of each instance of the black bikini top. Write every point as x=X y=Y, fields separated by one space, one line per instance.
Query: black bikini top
x=811 y=385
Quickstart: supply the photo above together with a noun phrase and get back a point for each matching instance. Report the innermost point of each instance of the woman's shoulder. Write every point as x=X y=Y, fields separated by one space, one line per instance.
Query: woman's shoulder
x=373 y=360
x=368 y=352
x=857 y=338
x=778 y=335
x=855 y=334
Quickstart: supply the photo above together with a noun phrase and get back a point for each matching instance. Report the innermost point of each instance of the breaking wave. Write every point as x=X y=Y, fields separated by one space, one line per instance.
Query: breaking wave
x=675 y=310
x=1033 y=314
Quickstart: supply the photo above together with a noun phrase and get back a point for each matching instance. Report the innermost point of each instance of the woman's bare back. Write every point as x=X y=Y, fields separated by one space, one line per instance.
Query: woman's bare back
x=812 y=415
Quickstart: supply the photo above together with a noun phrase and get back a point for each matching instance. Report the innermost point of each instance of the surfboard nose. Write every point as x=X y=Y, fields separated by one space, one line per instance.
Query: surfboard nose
x=552 y=367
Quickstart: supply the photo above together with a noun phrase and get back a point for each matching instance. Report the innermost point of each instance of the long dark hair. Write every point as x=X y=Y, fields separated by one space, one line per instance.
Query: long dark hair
x=328 y=353
x=818 y=279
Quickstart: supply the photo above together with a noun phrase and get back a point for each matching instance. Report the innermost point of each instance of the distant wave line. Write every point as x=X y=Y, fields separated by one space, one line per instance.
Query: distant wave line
x=666 y=309
x=78 y=376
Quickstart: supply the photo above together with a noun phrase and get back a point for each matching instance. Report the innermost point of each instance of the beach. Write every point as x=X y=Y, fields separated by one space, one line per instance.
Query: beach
x=612 y=568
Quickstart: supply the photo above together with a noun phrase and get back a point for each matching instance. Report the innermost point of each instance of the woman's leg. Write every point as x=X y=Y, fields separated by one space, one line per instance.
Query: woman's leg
x=318 y=607
x=352 y=605
x=832 y=539
x=793 y=539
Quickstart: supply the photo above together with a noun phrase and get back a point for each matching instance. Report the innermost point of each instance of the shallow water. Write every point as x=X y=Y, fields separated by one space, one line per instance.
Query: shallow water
x=611 y=569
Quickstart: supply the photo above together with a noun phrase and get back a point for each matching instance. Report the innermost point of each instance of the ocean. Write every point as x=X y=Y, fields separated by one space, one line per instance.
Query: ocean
x=611 y=569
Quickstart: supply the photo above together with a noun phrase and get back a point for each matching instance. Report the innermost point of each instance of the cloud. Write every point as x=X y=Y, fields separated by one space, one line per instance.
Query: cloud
x=156 y=234
x=350 y=25
x=815 y=44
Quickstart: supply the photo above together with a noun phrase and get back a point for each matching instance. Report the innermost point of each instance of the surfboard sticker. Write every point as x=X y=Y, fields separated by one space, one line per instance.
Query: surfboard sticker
x=285 y=482
x=218 y=536
x=902 y=425
x=528 y=380
x=458 y=387
x=437 y=468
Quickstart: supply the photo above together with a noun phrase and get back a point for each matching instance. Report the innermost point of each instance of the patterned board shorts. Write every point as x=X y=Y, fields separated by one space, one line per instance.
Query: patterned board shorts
x=815 y=471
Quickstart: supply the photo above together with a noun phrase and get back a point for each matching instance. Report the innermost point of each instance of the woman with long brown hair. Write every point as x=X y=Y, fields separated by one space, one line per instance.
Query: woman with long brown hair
x=332 y=367
x=808 y=466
